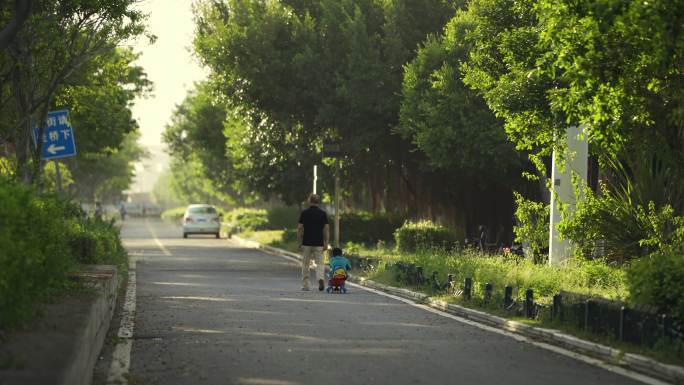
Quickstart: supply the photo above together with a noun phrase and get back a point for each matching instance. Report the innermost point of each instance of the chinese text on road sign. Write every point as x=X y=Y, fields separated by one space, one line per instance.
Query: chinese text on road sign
x=58 y=137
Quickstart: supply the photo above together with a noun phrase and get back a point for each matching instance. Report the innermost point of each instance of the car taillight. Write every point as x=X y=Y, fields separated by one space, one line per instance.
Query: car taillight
x=187 y=219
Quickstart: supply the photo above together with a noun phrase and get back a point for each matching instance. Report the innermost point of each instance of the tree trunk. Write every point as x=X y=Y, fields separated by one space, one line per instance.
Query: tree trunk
x=22 y=10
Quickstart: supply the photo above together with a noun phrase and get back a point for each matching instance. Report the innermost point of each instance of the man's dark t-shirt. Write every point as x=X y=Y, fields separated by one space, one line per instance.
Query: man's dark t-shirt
x=313 y=219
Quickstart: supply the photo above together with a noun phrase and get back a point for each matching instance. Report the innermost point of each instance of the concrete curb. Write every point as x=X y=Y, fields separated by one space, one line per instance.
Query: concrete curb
x=636 y=362
x=105 y=279
x=66 y=343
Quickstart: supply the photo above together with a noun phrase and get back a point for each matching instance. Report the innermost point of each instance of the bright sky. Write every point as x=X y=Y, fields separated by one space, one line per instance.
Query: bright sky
x=168 y=63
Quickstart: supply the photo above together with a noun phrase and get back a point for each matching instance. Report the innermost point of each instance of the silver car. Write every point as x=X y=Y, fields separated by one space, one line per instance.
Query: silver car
x=201 y=219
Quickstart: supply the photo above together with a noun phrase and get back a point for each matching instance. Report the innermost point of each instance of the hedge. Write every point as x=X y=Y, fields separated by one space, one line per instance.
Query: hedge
x=174 y=215
x=248 y=219
x=94 y=241
x=416 y=236
x=280 y=218
x=363 y=227
x=658 y=280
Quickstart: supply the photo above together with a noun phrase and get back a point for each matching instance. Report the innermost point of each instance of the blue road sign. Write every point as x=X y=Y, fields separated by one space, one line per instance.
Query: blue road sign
x=58 y=138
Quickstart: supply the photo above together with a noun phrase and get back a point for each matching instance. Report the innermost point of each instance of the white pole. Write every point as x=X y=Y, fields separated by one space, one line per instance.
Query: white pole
x=562 y=189
x=337 y=203
x=315 y=178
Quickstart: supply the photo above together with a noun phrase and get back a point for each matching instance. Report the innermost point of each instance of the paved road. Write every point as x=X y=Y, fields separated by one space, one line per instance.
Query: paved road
x=210 y=312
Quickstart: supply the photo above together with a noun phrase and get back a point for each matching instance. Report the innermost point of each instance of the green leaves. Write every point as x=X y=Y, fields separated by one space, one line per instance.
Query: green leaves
x=533 y=225
x=35 y=254
x=99 y=100
x=621 y=226
x=424 y=236
x=296 y=73
x=59 y=43
x=447 y=120
x=502 y=67
x=657 y=280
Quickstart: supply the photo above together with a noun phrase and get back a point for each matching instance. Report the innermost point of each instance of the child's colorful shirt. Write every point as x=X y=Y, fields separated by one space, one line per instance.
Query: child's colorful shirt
x=339 y=266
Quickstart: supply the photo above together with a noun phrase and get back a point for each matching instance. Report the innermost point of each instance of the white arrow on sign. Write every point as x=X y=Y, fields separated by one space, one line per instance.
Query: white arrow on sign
x=54 y=149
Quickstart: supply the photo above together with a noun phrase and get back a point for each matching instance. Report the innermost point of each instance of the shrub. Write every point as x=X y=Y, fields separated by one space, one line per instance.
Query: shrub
x=34 y=252
x=173 y=215
x=533 y=225
x=249 y=219
x=85 y=246
x=280 y=218
x=363 y=227
x=625 y=228
x=42 y=238
x=664 y=230
x=415 y=236
x=94 y=241
x=658 y=280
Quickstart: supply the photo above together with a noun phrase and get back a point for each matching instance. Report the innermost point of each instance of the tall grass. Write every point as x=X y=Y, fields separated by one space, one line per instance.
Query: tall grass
x=586 y=277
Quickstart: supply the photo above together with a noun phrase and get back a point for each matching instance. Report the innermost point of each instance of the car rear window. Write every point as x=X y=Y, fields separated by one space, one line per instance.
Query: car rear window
x=202 y=210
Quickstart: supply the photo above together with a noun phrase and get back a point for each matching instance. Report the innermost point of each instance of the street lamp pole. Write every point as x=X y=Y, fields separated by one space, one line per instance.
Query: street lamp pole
x=337 y=203
x=331 y=149
x=315 y=177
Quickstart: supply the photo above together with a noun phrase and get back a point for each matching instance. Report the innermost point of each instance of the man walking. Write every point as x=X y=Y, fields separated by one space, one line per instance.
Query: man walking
x=313 y=234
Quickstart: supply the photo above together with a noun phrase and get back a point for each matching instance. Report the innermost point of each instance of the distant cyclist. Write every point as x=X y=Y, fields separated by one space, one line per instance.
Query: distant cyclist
x=99 y=212
x=122 y=211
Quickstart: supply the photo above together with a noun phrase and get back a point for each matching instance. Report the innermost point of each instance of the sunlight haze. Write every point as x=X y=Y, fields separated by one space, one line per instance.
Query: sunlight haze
x=169 y=64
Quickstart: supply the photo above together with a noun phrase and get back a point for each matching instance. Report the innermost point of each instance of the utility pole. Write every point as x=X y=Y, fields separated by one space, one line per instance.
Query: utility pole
x=315 y=178
x=337 y=203
x=331 y=149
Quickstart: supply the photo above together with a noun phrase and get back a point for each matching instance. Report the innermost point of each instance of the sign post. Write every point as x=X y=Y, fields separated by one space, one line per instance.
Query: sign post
x=58 y=140
x=332 y=150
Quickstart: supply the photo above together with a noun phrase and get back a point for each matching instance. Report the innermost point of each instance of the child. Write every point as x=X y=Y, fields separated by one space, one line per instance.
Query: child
x=339 y=266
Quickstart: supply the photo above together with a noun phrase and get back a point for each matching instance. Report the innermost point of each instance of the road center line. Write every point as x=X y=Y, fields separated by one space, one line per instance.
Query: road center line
x=156 y=240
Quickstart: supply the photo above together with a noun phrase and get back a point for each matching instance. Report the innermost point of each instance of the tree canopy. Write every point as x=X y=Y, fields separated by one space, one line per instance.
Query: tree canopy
x=436 y=104
x=293 y=74
x=54 y=42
